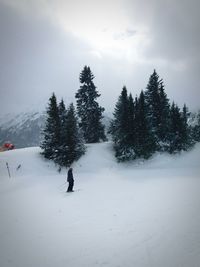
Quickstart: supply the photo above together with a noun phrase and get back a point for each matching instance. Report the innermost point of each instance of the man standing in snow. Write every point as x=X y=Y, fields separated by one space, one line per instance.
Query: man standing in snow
x=70 y=180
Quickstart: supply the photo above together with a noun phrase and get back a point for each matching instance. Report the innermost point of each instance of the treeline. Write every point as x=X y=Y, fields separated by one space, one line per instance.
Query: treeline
x=149 y=123
x=141 y=126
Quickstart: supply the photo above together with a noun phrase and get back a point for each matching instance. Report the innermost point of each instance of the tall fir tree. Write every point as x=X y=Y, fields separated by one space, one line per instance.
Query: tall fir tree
x=73 y=140
x=61 y=154
x=186 y=131
x=145 y=144
x=131 y=121
x=121 y=127
x=152 y=98
x=195 y=127
x=72 y=145
x=176 y=127
x=158 y=111
x=89 y=111
x=62 y=113
x=51 y=132
x=164 y=119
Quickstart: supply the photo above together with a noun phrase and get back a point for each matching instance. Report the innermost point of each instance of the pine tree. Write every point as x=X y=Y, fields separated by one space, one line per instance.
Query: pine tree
x=130 y=128
x=73 y=140
x=195 y=127
x=71 y=146
x=131 y=122
x=158 y=111
x=164 y=115
x=51 y=133
x=197 y=132
x=122 y=126
x=176 y=126
x=180 y=133
x=186 y=131
x=89 y=111
x=137 y=123
x=152 y=98
x=145 y=142
x=61 y=154
x=62 y=112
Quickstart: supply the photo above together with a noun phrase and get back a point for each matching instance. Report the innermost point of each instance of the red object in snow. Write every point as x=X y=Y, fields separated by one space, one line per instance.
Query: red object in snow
x=8 y=146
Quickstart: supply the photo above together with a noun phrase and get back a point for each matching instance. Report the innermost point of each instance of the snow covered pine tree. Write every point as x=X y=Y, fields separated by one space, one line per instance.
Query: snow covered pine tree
x=89 y=111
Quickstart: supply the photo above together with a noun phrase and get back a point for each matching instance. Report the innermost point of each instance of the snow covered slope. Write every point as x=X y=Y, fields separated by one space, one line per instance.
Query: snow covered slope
x=135 y=214
x=23 y=129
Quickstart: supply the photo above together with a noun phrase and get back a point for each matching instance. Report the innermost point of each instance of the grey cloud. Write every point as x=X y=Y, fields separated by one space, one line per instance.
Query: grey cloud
x=173 y=27
x=177 y=32
x=36 y=59
x=173 y=30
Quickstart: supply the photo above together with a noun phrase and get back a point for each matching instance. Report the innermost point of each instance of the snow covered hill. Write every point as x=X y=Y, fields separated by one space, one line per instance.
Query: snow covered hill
x=135 y=214
x=23 y=129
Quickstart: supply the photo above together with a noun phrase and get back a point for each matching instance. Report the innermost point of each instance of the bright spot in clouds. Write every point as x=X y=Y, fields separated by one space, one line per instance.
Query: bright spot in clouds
x=104 y=25
x=45 y=44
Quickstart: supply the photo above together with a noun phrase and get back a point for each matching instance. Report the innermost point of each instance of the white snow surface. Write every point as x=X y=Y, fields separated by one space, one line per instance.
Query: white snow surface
x=135 y=214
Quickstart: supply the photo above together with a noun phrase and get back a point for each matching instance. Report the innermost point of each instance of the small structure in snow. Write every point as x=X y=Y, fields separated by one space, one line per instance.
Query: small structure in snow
x=7 y=146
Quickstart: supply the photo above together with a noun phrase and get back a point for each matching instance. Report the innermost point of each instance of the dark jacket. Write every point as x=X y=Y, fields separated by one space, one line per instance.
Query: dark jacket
x=70 y=177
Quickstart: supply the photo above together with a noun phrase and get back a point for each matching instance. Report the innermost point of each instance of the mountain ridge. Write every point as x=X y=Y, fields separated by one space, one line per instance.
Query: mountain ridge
x=24 y=129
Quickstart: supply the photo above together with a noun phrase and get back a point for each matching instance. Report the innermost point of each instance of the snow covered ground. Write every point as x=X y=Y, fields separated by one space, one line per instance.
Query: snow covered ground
x=120 y=215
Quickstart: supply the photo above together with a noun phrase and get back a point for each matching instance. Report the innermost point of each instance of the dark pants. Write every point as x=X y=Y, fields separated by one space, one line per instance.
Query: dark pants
x=70 y=187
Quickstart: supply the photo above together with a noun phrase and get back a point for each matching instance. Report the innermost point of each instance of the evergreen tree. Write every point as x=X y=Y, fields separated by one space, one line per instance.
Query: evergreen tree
x=180 y=133
x=195 y=127
x=130 y=128
x=145 y=144
x=137 y=123
x=61 y=154
x=122 y=127
x=186 y=131
x=62 y=113
x=72 y=146
x=51 y=133
x=164 y=119
x=89 y=111
x=158 y=111
x=73 y=141
x=152 y=99
x=176 y=127
x=131 y=122
x=197 y=130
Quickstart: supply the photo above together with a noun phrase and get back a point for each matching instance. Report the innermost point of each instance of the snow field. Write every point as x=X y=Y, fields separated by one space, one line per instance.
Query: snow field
x=135 y=214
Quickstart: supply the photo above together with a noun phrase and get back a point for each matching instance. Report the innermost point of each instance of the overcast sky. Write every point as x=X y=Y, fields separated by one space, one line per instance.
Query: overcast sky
x=44 y=45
